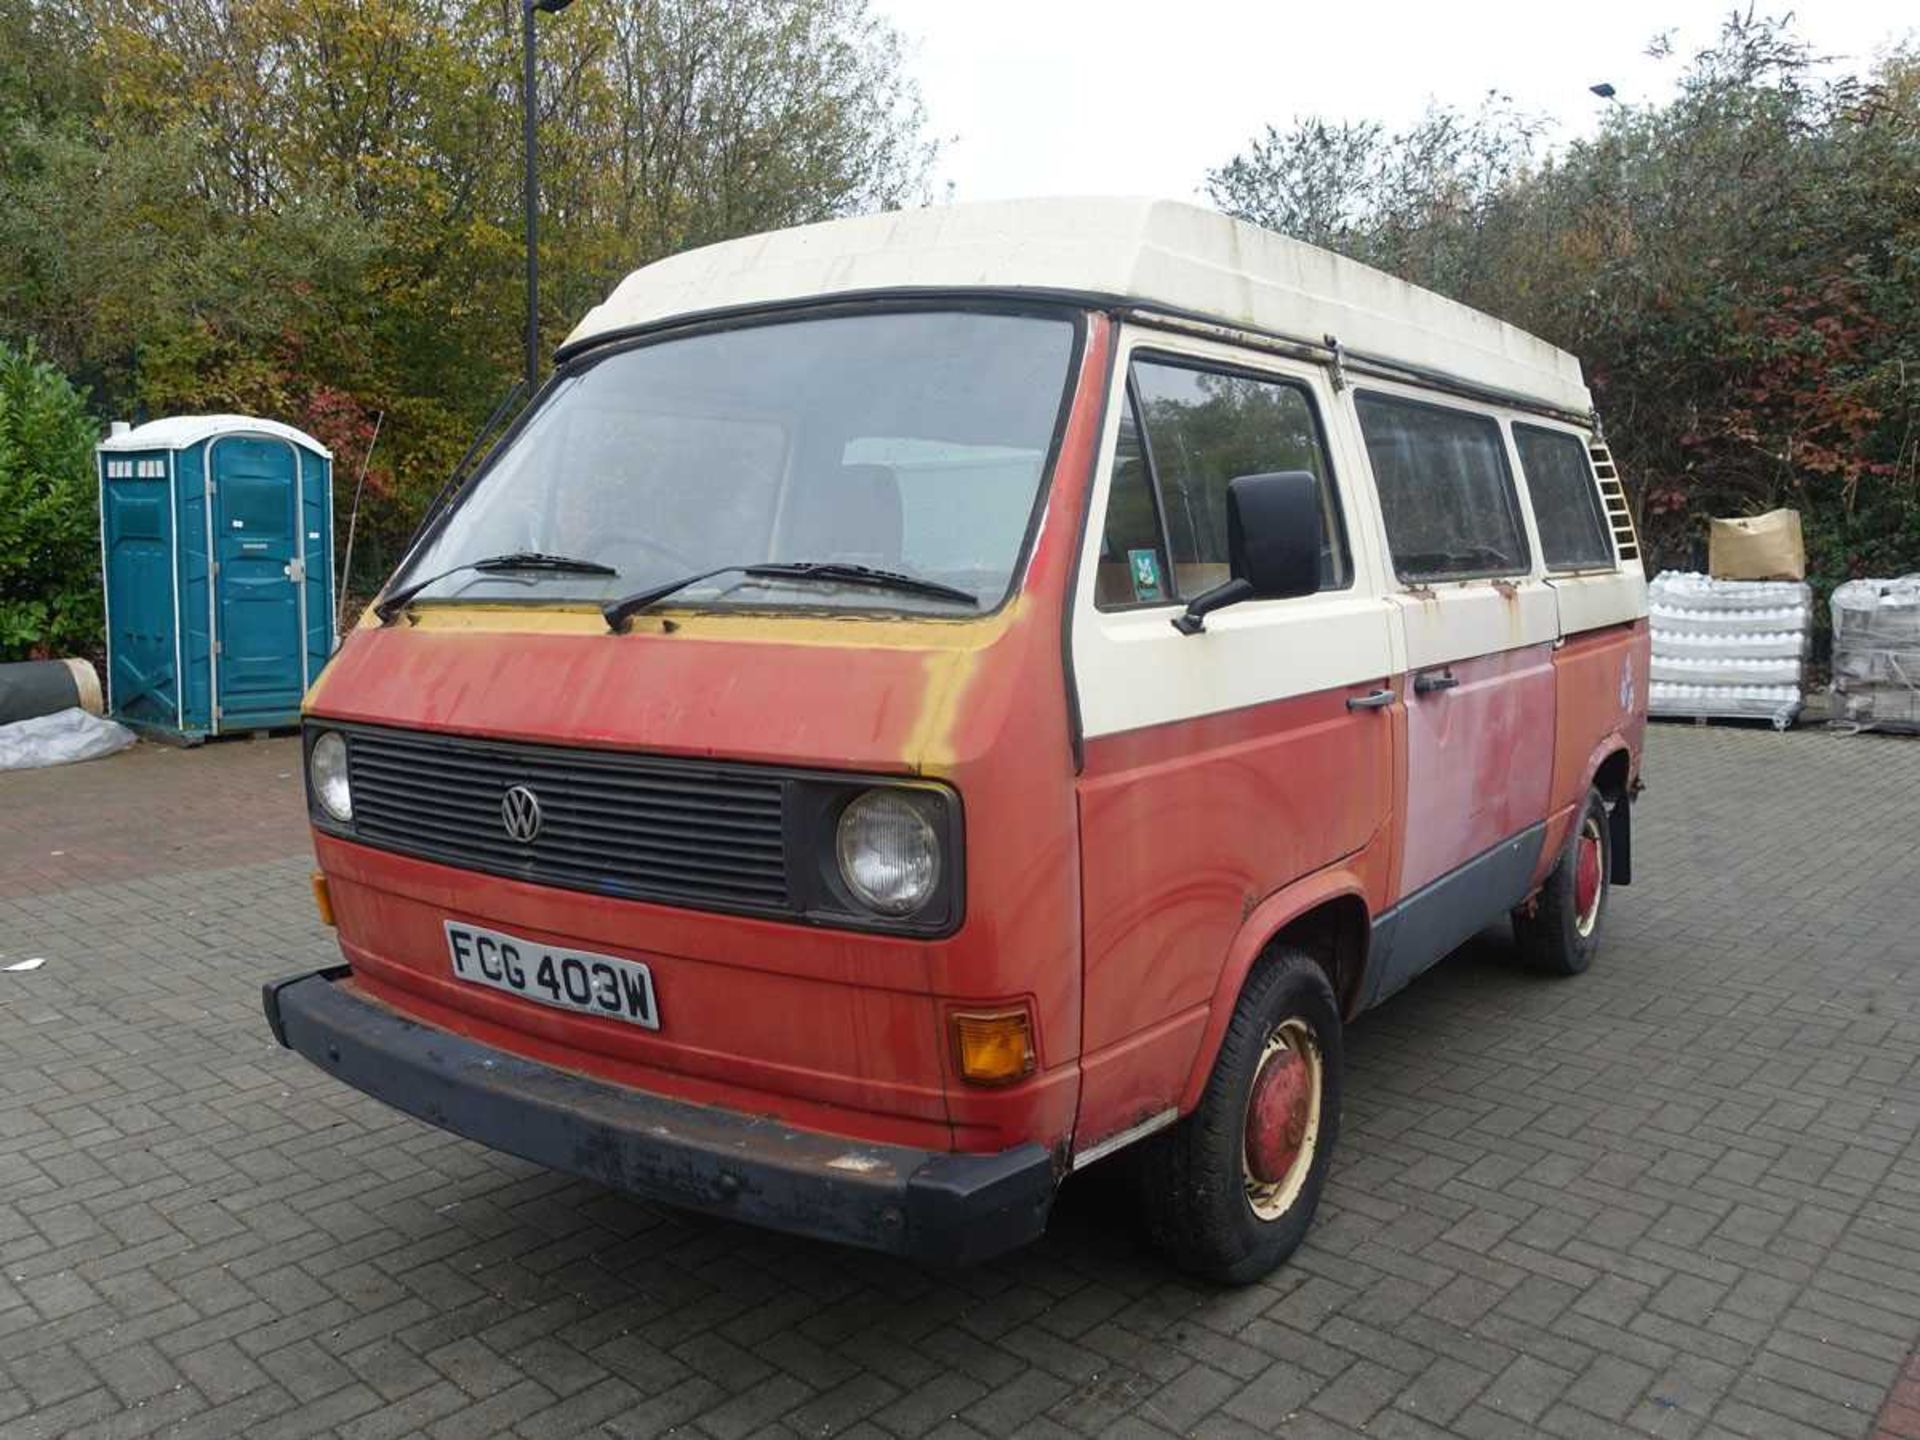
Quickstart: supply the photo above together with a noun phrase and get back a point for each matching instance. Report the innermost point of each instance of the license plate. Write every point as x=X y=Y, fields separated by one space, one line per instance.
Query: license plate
x=575 y=980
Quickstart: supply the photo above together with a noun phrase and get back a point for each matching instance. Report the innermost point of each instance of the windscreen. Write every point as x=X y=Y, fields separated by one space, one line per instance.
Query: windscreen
x=906 y=441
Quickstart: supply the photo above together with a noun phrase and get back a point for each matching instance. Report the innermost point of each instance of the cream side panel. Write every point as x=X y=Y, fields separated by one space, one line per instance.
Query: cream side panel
x=1593 y=602
x=1584 y=600
x=1477 y=617
x=1457 y=620
x=1133 y=669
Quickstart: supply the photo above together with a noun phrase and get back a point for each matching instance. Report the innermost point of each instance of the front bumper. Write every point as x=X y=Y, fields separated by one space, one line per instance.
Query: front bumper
x=923 y=1204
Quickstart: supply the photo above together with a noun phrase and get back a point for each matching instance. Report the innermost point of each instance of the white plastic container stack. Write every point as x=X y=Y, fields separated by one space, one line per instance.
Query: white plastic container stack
x=1876 y=654
x=1729 y=649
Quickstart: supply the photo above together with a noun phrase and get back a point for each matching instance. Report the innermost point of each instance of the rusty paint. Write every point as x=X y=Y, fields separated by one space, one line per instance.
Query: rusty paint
x=769 y=626
x=829 y=1029
x=1479 y=761
x=1184 y=847
x=930 y=746
x=1179 y=825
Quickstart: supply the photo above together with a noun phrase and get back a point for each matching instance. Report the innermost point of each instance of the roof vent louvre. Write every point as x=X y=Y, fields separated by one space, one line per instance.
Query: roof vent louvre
x=1614 y=496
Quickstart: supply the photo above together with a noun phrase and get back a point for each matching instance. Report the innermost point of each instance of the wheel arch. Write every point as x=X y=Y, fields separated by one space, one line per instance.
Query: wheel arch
x=1325 y=914
x=1613 y=777
x=1613 y=771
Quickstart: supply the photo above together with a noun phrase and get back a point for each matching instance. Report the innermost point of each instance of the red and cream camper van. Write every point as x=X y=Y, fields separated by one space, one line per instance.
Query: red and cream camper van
x=923 y=702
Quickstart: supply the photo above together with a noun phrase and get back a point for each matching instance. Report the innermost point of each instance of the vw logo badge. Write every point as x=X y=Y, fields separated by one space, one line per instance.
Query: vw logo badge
x=520 y=814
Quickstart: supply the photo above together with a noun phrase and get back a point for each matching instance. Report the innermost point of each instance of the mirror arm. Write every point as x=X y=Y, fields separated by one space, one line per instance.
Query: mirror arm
x=1207 y=601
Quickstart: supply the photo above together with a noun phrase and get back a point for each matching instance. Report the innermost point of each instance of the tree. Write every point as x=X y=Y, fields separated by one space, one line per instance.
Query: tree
x=1739 y=270
x=49 y=520
x=310 y=209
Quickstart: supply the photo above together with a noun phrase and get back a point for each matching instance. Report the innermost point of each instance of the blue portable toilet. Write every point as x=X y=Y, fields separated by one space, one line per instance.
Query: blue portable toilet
x=216 y=539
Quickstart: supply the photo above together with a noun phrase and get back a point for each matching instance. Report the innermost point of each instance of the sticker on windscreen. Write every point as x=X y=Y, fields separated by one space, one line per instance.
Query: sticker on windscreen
x=1145 y=566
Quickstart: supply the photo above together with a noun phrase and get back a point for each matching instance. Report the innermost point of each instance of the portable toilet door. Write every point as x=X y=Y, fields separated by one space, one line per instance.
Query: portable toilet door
x=260 y=661
x=252 y=571
x=139 y=556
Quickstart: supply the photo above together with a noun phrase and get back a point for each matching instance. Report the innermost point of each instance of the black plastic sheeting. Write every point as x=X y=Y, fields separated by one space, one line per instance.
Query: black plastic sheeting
x=32 y=688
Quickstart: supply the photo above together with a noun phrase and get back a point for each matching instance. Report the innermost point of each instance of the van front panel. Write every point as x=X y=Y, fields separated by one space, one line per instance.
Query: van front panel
x=817 y=1019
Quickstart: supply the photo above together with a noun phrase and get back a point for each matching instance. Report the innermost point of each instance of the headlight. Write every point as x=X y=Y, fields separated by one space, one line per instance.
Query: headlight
x=327 y=773
x=889 y=851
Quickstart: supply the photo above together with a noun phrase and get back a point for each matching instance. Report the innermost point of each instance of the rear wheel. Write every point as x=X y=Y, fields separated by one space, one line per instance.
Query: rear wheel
x=1560 y=932
x=1230 y=1191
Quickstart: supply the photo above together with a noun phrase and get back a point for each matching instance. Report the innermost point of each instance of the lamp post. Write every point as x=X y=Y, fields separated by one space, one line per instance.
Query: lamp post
x=531 y=143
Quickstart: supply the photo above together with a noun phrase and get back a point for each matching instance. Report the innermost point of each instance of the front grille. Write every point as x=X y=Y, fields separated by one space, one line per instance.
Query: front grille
x=636 y=827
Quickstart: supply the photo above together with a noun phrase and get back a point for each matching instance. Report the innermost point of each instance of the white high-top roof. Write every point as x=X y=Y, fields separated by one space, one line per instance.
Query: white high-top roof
x=1155 y=253
x=181 y=432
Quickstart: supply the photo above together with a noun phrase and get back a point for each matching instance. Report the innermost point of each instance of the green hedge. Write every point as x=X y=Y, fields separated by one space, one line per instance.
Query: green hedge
x=49 y=513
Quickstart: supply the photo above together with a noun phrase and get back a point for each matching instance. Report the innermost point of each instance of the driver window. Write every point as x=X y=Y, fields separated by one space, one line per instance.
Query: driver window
x=1188 y=430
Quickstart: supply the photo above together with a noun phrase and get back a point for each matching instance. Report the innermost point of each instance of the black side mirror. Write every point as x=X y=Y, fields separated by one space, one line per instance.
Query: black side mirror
x=1274 y=534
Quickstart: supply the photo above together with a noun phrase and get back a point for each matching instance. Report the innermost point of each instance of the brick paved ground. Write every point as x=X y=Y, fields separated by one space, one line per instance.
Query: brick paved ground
x=151 y=810
x=1677 y=1197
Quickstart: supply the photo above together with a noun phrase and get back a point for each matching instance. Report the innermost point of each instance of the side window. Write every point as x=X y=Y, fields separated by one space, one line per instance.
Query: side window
x=1445 y=492
x=1566 y=502
x=1133 y=558
x=1185 y=434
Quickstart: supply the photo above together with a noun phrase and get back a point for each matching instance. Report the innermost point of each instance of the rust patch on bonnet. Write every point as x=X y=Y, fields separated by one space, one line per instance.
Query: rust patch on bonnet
x=949 y=674
x=773 y=627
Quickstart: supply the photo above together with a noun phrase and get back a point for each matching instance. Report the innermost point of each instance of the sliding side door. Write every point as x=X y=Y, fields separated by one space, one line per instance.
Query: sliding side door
x=1478 y=625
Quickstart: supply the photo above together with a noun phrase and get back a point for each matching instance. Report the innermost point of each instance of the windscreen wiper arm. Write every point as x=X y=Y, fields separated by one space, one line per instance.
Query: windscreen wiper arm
x=391 y=605
x=837 y=572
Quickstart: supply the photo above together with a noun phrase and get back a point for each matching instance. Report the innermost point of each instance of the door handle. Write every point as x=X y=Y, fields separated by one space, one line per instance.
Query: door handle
x=1429 y=681
x=1378 y=700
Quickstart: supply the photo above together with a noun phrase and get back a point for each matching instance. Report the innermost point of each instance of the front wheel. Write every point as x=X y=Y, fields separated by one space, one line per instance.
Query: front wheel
x=1230 y=1191
x=1560 y=932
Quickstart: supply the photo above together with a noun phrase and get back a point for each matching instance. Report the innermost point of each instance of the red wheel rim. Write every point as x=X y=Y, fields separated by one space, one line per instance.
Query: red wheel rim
x=1283 y=1119
x=1277 y=1116
x=1589 y=875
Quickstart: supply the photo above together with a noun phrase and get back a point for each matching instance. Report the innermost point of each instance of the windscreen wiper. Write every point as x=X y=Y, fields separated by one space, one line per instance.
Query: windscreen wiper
x=392 y=605
x=836 y=572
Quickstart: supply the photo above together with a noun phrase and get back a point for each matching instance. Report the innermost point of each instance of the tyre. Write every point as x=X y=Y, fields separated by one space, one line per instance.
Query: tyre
x=1229 y=1192
x=1560 y=932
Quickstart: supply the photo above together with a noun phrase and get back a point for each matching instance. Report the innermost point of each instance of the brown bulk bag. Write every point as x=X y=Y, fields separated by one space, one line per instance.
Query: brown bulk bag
x=1757 y=547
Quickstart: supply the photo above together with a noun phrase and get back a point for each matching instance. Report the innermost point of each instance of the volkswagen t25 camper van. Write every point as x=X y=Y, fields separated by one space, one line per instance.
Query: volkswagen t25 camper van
x=920 y=703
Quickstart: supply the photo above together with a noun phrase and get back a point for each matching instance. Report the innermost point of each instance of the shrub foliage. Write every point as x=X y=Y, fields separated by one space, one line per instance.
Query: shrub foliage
x=49 y=542
x=1739 y=269
x=311 y=209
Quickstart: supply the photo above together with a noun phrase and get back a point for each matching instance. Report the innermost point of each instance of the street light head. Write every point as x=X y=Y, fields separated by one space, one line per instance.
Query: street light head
x=1603 y=90
x=552 y=7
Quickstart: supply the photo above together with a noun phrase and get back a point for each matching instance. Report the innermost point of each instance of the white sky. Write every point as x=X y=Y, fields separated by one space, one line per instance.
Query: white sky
x=1045 y=97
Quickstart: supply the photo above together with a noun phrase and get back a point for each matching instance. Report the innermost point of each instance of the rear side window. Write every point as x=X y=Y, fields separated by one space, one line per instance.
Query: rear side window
x=1566 y=502
x=1445 y=491
x=1185 y=433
